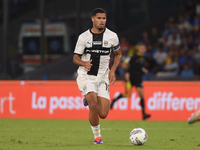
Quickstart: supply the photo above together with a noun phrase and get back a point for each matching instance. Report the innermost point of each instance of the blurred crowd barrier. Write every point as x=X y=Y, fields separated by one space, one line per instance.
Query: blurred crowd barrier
x=168 y=100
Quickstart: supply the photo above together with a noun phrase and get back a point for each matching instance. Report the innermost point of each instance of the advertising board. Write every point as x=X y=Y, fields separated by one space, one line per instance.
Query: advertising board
x=63 y=100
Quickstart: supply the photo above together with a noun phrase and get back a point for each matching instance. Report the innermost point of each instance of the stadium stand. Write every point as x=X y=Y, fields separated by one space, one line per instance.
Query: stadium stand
x=159 y=21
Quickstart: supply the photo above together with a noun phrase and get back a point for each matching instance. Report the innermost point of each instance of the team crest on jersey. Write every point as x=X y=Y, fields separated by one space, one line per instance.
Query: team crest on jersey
x=105 y=43
x=84 y=88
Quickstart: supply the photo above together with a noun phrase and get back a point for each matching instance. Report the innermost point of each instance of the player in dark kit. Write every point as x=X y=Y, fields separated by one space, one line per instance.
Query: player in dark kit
x=133 y=77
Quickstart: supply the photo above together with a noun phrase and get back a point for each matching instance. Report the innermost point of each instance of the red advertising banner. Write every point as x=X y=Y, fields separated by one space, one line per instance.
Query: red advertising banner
x=63 y=100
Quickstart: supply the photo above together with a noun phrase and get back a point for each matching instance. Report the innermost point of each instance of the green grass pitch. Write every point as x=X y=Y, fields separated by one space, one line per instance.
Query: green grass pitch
x=25 y=134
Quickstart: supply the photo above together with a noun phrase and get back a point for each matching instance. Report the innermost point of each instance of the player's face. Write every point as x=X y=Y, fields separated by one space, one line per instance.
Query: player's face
x=142 y=50
x=99 y=21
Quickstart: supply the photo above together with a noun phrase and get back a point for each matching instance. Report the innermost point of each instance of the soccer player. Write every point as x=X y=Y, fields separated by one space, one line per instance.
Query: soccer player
x=194 y=117
x=133 y=76
x=92 y=55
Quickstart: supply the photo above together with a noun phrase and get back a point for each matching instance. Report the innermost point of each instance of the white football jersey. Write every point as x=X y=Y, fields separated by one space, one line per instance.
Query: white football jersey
x=98 y=48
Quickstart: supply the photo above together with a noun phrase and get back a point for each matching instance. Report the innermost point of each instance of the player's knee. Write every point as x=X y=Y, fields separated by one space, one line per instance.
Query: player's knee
x=103 y=115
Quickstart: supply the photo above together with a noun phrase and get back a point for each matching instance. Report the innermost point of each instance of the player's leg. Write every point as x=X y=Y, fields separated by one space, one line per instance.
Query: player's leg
x=99 y=107
x=104 y=105
x=128 y=91
x=103 y=102
x=94 y=116
x=89 y=89
x=194 y=117
x=140 y=91
x=93 y=107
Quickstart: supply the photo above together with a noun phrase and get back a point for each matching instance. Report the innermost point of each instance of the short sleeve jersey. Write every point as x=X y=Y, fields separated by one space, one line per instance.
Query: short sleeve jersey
x=98 y=48
x=135 y=67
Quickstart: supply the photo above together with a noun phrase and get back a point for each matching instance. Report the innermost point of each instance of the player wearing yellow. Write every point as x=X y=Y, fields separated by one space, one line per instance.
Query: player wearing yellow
x=133 y=76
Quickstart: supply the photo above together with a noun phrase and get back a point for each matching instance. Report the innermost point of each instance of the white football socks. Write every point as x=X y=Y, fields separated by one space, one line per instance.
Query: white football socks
x=96 y=131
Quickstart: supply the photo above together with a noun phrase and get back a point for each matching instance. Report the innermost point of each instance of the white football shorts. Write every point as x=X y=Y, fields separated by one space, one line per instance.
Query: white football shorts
x=90 y=83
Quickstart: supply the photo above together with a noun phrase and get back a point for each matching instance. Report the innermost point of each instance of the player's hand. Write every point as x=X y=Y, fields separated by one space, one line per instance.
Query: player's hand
x=111 y=77
x=145 y=70
x=88 y=65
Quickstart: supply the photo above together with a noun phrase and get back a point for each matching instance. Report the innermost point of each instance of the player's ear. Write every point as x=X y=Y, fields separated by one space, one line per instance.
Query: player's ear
x=92 y=18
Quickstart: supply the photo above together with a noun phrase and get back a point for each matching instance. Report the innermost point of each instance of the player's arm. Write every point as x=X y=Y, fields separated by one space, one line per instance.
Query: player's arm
x=77 y=60
x=117 y=61
x=79 y=50
x=144 y=68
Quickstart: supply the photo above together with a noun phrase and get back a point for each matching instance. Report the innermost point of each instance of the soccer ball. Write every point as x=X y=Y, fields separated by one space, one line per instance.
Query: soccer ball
x=138 y=136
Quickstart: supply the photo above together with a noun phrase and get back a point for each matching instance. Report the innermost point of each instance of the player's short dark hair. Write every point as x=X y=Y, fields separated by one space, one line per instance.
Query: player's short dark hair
x=98 y=10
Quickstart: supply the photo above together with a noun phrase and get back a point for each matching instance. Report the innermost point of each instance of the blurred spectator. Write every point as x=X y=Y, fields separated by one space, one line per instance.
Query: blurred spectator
x=151 y=65
x=154 y=35
x=197 y=43
x=196 y=23
x=183 y=24
x=172 y=53
x=145 y=38
x=190 y=61
x=185 y=43
x=171 y=20
x=197 y=9
x=150 y=48
x=191 y=40
x=124 y=44
x=187 y=71
x=190 y=10
x=196 y=57
x=182 y=58
x=183 y=33
x=174 y=39
x=163 y=40
x=160 y=55
x=170 y=70
x=167 y=29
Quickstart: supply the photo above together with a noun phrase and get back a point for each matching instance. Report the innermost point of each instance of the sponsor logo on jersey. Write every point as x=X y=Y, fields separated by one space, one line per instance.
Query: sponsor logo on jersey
x=97 y=42
x=98 y=51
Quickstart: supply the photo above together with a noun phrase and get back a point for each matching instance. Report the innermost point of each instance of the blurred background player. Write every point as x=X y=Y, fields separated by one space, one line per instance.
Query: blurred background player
x=194 y=117
x=92 y=55
x=133 y=77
